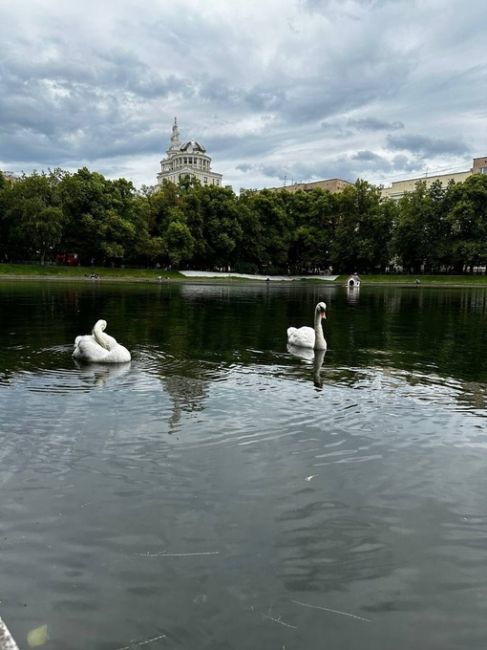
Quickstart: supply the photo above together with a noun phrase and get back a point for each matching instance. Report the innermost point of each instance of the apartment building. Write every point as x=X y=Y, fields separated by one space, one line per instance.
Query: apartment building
x=399 y=188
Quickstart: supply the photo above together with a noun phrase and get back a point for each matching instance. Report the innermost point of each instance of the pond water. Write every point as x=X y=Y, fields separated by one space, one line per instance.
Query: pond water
x=219 y=492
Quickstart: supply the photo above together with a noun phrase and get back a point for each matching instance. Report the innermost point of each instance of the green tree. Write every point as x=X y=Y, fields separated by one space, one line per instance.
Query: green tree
x=409 y=238
x=179 y=240
x=312 y=214
x=163 y=200
x=275 y=229
x=219 y=224
x=105 y=219
x=33 y=221
x=84 y=204
x=42 y=226
x=467 y=219
x=4 y=227
x=362 y=231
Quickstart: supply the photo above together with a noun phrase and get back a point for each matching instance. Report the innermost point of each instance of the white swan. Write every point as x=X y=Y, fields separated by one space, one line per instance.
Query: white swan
x=98 y=347
x=307 y=337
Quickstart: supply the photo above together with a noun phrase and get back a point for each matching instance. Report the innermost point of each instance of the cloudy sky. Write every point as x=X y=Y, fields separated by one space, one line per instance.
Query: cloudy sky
x=276 y=90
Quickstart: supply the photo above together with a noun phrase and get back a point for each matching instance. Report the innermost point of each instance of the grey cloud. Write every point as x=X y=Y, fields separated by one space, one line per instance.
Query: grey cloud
x=335 y=130
x=51 y=110
x=336 y=81
x=273 y=171
x=366 y=156
x=218 y=91
x=329 y=98
x=374 y=124
x=344 y=92
x=277 y=172
x=337 y=6
x=304 y=173
x=266 y=99
x=339 y=167
x=257 y=98
x=115 y=71
x=362 y=164
x=425 y=146
x=367 y=162
x=243 y=147
x=359 y=75
x=371 y=162
x=402 y=163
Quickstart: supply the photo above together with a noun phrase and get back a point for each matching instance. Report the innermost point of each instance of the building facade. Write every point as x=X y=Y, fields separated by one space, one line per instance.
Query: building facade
x=188 y=160
x=331 y=185
x=399 y=188
x=11 y=177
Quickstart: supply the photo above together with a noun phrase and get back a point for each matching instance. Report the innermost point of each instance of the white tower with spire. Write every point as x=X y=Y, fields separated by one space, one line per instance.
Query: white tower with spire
x=189 y=160
x=175 y=144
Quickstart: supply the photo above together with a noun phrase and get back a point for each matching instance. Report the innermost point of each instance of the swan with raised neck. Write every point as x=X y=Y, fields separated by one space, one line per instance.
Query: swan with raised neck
x=309 y=337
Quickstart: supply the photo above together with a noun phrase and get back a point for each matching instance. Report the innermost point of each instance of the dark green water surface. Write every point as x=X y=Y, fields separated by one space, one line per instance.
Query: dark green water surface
x=220 y=492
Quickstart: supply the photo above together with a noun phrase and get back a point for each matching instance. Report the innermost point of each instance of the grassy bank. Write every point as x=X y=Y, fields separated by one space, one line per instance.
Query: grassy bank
x=38 y=272
x=424 y=280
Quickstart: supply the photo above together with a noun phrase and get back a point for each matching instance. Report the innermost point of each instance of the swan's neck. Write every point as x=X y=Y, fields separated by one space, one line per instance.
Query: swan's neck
x=100 y=338
x=320 y=343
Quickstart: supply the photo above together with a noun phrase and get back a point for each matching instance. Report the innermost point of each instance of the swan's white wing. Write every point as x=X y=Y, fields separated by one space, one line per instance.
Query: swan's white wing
x=83 y=337
x=303 y=337
x=119 y=354
x=80 y=341
x=109 y=341
x=306 y=354
x=87 y=349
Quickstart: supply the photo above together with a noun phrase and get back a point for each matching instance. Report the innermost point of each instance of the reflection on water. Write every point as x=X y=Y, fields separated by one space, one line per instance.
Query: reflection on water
x=222 y=490
x=316 y=357
x=353 y=294
x=100 y=374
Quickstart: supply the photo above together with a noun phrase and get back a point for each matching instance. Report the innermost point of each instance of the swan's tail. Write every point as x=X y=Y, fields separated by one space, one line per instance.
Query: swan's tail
x=291 y=331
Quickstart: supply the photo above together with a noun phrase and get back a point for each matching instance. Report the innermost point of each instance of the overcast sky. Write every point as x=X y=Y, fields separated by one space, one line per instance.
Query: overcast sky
x=276 y=90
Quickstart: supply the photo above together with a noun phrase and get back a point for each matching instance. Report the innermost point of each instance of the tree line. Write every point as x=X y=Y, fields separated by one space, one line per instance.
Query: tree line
x=110 y=222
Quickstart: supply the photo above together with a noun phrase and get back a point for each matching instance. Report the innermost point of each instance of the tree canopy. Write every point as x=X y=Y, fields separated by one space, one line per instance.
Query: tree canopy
x=106 y=221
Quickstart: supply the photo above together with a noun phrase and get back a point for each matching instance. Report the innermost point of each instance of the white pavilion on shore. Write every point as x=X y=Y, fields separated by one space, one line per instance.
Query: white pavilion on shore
x=186 y=160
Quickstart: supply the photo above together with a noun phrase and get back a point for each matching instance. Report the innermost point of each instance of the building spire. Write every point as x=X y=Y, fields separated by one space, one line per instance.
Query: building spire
x=175 y=144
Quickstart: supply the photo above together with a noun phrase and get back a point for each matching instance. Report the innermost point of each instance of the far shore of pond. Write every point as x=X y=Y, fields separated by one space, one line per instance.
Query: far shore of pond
x=158 y=276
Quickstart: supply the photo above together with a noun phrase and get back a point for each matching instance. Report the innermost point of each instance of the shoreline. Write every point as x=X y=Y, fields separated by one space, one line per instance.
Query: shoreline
x=481 y=282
